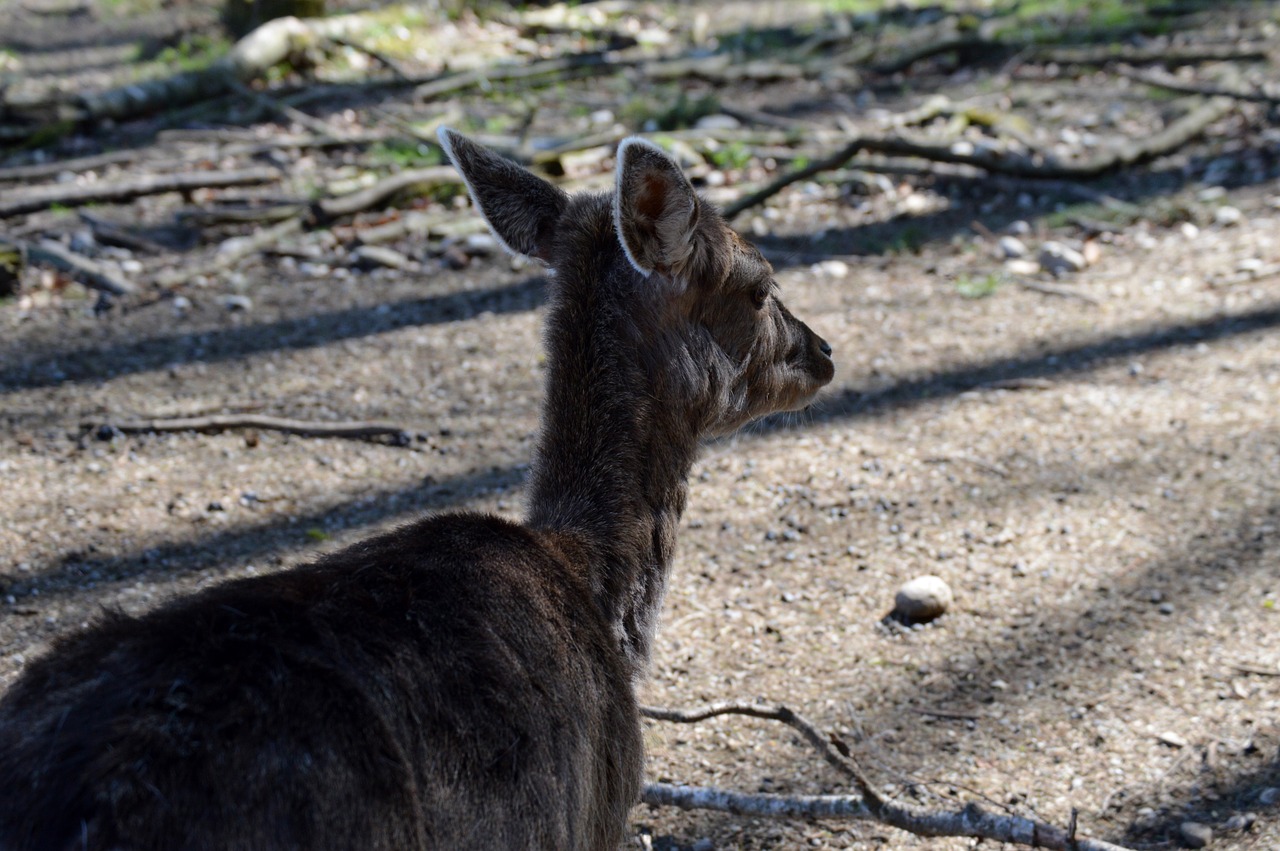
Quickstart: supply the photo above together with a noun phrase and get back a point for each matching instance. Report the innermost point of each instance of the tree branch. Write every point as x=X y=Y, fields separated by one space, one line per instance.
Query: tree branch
x=222 y=422
x=972 y=820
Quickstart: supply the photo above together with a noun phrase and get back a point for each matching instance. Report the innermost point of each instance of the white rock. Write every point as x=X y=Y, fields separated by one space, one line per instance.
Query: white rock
x=1228 y=215
x=1021 y=227
x=237 y=303
x=1010 y=247
x=1172 y=739
x=1022 y=267
x=718 y=121
x=181 y=304
x=1194 y=834
x=1058 y=258
x=1189 y=230
x=832 y=268
x=923 y=598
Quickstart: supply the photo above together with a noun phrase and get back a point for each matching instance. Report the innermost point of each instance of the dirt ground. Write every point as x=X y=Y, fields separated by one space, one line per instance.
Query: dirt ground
x=1092 y=462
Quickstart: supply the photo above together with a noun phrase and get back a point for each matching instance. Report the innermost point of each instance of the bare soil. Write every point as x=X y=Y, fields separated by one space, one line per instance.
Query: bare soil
x=1092 y=463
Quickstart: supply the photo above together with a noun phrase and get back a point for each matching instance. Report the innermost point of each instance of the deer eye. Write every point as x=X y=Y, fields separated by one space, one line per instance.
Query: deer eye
x=759 y=295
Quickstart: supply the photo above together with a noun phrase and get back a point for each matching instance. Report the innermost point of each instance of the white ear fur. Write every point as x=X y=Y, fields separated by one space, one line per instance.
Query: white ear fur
x=630 y=148
x=624 y=149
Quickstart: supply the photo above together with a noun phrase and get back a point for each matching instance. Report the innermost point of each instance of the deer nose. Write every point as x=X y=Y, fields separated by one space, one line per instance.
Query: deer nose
x=824 y=347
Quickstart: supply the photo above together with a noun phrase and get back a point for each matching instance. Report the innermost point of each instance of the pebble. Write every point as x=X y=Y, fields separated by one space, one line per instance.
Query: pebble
x=718 y=121
x=236 y=303
x=1022 y=267
x=832 y=268
x=1194 y=834
x=1058 y=258
x=1240 y=821
x=1172 y=739
x=923 y=598
x=1270 y=796
x=1228 y=215
x=1010 y=248
x=1020 y=228
x=181 y=304
x=1189 y=230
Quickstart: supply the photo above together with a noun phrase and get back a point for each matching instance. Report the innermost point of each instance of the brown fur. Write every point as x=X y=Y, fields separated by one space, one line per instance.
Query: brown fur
x=462 y=682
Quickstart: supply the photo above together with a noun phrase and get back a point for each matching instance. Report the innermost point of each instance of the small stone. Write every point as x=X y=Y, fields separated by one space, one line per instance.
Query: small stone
x=704 y=844
x=1020 y=228
x=1010 y=248
x=1166 y=608
x=1250 y=265
x=1228 y=215
x=1240 y=821
x=181 y=305
x=719 y=121
x=1022 y=267
x=833 y=268
x=1172 y=739
x=237 y=303
x=1189 y=230
x=1269 y=796
x=923 y=598
x=1057 y=258
x=1194 y=834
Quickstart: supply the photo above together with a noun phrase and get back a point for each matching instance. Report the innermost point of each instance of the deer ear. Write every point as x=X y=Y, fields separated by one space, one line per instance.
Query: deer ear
x=655 y=209
x=520 y=208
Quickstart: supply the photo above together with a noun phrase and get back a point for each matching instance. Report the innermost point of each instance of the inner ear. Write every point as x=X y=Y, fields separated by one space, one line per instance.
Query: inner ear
x=655 y=209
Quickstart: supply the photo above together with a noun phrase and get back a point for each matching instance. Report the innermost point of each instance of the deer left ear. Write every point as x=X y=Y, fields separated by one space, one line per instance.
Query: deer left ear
x=520 y=208
x=655 y=210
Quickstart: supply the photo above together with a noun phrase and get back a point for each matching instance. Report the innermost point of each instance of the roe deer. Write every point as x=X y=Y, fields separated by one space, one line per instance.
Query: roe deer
x=463 y=681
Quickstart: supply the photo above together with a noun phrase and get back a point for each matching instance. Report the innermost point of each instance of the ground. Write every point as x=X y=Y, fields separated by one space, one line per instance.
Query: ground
x=1092 y=463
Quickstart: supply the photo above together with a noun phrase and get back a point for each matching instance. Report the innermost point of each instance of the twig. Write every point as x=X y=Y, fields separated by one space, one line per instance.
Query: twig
x=381 y=58
x=270 y=104
x=221 y=422
x=90 y=274
x=234 y=253
x=75 y=166
x=453 y=83
x=1159 y=144
x=1173 y=84
x=1258 y=670
x=971 y=821
x=363 y=199
x=153 y=184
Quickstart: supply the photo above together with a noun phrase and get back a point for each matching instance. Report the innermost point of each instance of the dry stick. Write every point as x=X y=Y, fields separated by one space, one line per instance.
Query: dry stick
x=76 y=166
x=90 y=274
x=233 y=254
x=971 y=821
x=297 y=116
x=1132 y=152
x=222 y=422
x=154 y=184
x=363 y=199
x=1164 y=81
x=454 y=83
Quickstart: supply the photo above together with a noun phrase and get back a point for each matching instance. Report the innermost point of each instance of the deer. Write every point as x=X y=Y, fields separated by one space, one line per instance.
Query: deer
x=464 y=681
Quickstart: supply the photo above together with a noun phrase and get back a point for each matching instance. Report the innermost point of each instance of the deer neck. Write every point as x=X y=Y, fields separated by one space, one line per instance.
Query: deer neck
x=617 y=444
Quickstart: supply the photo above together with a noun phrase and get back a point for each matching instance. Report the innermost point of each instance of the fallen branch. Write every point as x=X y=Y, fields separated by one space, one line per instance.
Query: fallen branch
x=86 y=272
x=233 y=251
x=75 y=166
x=1261 y=93
x=223 y=422
x=363 y=199
x=451 y=84
x=970 y=821
x=1167 y=141
x=73 y=195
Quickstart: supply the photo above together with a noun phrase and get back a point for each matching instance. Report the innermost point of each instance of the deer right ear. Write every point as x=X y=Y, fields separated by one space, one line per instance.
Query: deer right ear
x=655 y=210
x=520 y=208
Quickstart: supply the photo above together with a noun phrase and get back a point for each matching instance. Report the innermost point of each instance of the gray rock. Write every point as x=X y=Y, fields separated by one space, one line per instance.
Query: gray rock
x=1058 y=258
x=1194 y=834
x=1010 y=248
x=1270 y=796
x=236 y=303
x=923 y=598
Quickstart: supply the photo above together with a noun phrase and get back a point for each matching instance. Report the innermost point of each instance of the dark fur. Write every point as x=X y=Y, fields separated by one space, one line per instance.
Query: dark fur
x=463 y=682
